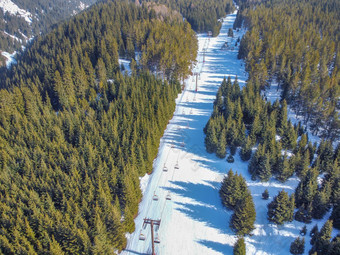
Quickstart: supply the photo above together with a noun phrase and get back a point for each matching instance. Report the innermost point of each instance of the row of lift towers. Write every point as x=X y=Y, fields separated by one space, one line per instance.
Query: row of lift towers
x=156 y=223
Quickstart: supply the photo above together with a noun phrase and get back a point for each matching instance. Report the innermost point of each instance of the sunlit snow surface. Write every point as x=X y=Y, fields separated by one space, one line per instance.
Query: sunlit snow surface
x=13 y=9
x=194 y=221
x=10 y=58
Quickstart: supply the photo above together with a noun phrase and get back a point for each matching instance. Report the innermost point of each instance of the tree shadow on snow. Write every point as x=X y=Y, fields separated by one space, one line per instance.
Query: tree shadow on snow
x=223 y=248
x=206 y=206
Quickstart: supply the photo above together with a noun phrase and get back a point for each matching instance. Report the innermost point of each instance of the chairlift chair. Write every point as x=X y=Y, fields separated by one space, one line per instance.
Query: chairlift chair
x=177 y=166
x=141 y=236
x=168 y=197
x=182 y=144
x=157 y=240
x=155 y=197
x=165 y=169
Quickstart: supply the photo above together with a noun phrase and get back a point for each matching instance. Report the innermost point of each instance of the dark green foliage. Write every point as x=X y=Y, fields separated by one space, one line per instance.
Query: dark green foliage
x=230 y=159
x=334 y=247
x=221 y=146
x=303 y=231
x=336 y=216
x=233 y=190
x=203 y=15
x=72 y=143
x=235 y=195
x=281 y=43
x=307 y=188
x=321 y=240
x=314 y=234
x=298 y=246
x=259 y=165
x=320 y=204
x=243 y=218
x=281 y=209
x=265 y=194
x=239 y=247
x=246 y=150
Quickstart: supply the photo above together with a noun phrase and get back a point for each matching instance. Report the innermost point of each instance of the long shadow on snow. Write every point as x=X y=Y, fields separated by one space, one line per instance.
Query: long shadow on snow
x=223 y=248
x=207 y=207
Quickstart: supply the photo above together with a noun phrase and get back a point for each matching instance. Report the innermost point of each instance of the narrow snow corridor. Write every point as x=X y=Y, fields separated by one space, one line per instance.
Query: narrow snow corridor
x=193 y=221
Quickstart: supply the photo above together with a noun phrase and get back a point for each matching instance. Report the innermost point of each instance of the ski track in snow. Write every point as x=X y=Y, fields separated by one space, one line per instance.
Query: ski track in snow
x=194 y=221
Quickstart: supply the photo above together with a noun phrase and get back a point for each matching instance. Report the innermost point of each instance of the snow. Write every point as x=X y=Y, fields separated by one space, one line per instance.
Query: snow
x=82 y=6
x=12 y=36
x=126 y=64
x=13 y=9
x=194 y=221
x=10 y=58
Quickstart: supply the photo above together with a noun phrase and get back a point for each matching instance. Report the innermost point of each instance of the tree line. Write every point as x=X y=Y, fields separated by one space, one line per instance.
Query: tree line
x=76 y=133
x=203 y=15
x=296 y=43
x=243 y=119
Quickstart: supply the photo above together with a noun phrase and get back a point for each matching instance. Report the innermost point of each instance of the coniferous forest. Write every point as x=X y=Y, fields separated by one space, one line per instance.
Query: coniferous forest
x=76 y=133
x=293 y=43
x=203 y=15
x=296 y=43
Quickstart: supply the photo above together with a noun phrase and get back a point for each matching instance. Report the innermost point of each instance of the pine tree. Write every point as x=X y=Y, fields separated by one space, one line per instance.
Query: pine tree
x=246 y=150
x=298 y=246
x=211 y=137
x=322 y=240
x=281 y=209
x=265 y=194
x=239 y=247
x=264 y=168
x=243 y=218
x=320 y=205
x=303 y=231
x=221 y=146
x=336 y=216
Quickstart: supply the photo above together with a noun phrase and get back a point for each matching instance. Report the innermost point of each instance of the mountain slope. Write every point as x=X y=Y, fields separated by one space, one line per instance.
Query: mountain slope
x=22 y=19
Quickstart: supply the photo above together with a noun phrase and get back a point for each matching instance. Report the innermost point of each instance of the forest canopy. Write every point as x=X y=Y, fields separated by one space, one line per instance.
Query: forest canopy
x=296 y=43
x=76 y=133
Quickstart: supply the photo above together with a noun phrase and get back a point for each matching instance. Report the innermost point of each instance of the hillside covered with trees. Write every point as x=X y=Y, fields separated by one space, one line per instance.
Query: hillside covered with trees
x=42 y=15
x=203 y=15
x=76 y=134
x=296 y=43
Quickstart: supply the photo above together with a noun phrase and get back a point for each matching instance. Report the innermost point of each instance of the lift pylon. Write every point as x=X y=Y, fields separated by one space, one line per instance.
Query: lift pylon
x=153 y=240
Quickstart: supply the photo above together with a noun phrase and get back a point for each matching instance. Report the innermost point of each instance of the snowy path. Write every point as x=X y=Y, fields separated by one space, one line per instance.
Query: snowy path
x=193 y=222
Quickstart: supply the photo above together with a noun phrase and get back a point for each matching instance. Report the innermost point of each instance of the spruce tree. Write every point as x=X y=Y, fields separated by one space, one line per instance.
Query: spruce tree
x=322 y=240
x=298 y=246
x=239 y=247
x=221 y=146
x=336 y=216
x=281 y=209
x=265 y=194
x=243 y=218
x=246 y=150
x=314 y=234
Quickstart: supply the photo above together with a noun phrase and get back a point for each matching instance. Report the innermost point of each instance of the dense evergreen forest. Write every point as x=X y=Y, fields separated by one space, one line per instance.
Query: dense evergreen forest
x=203 y=15
x=76 y=133
x=296 y=43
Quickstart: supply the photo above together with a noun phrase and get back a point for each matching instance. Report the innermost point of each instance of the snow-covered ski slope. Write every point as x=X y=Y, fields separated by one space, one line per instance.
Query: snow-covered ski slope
x=194 y=222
